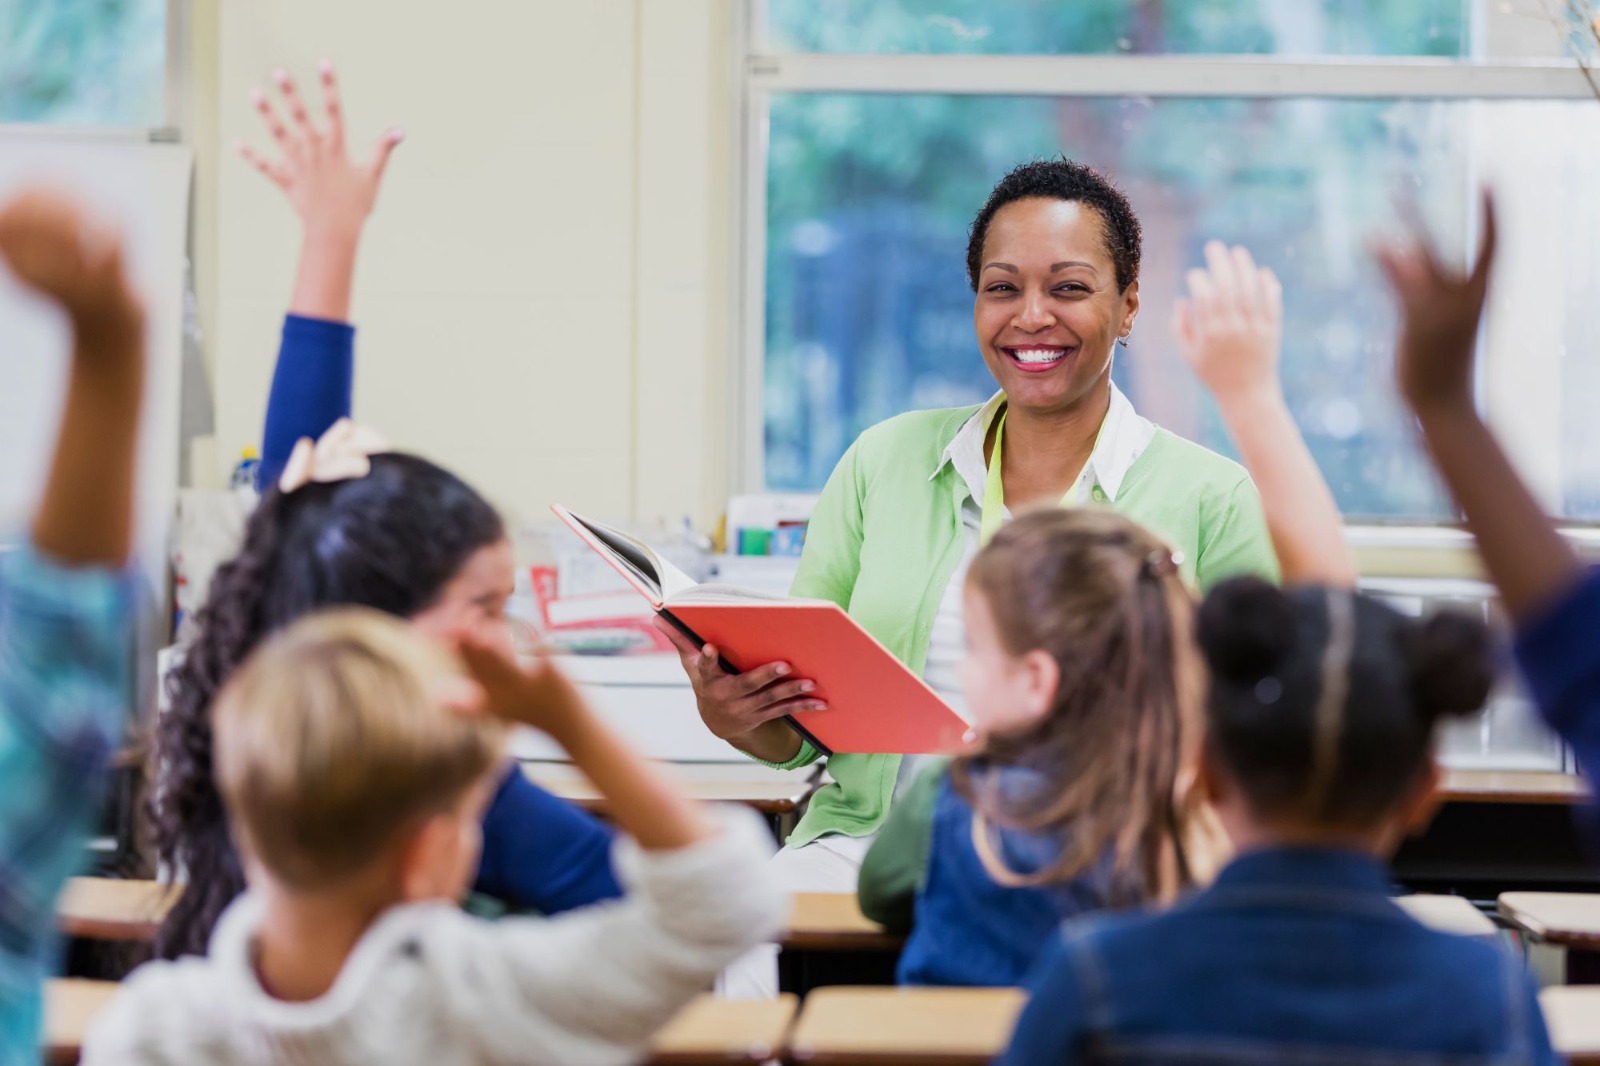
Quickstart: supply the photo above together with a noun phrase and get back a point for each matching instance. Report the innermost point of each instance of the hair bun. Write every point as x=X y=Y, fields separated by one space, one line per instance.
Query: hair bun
x=1452 y=665
x=1246 y=627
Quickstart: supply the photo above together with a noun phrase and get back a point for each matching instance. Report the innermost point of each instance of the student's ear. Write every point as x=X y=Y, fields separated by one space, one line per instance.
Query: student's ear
x=1041 y=676
x=1210 y=779
x=423 y=858
x=1423 y=801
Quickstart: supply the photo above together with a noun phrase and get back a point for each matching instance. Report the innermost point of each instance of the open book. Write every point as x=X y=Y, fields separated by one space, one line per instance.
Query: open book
x=875 y=704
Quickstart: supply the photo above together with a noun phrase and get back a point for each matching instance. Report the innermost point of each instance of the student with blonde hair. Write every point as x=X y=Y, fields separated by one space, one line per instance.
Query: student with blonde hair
x=355 y=760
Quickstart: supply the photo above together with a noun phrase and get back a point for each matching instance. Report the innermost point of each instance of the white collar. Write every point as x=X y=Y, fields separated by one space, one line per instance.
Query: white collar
x=1123 y=436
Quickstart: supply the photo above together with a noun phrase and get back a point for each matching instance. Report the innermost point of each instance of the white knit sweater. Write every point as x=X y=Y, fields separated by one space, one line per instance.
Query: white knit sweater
x=430 y=985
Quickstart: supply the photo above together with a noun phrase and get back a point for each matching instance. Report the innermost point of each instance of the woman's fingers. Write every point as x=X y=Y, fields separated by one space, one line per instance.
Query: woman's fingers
x=332 y=105
x=780 y=710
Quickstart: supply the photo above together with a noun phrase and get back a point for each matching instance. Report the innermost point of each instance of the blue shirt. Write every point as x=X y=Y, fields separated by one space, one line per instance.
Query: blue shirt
x=1560 y=659
x=1293 y=955
x=65 y=656
x=539 y=852
x=972 y=930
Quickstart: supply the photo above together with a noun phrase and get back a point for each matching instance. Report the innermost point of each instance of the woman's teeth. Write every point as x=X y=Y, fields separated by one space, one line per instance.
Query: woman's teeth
x=1037 y=356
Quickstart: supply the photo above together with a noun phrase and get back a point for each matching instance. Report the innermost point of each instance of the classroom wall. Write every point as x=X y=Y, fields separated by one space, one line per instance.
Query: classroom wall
x=543 y=292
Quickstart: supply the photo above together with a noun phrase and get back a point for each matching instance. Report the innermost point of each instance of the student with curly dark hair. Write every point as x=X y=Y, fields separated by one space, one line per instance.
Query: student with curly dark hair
x=406 y=537
x=1053 y=262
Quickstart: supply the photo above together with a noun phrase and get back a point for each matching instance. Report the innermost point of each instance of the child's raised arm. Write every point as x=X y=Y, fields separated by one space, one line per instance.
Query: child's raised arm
x=333 y=196
x=85 y=515
x=1230 y=330
x=641 y=800
x=1527 y=559
x=332 y=193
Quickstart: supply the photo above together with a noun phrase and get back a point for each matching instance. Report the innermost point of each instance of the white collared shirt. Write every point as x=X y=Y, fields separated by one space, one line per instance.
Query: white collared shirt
x=1124 y=435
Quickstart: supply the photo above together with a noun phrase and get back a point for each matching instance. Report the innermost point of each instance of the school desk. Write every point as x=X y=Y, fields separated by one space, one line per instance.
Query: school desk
x=1573 y=1017
x=1501 y=831
x=828 y=941
x=100 y=908
x=70 y=1005
x=844 y=1026
x=712 y=1031
x=1569 y=920
x=775 y=794
x=1448 y=914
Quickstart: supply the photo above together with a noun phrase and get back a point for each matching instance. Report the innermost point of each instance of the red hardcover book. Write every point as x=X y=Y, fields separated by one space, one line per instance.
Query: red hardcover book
x=875 y=704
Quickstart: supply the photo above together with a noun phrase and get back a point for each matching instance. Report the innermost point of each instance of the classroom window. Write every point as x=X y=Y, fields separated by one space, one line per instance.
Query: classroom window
x=83 y=62
x=861 y=310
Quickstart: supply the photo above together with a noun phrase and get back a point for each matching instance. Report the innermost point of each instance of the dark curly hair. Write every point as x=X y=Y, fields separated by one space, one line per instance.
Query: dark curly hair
x=391 y=541
x=1062 y=179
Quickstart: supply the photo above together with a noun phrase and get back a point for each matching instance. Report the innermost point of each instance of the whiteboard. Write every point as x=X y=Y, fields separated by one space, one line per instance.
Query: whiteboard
x=143 y=188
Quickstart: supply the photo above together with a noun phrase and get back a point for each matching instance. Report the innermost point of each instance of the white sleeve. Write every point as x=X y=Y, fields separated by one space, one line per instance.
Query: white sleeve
x=149 y=1020
x=592 y=986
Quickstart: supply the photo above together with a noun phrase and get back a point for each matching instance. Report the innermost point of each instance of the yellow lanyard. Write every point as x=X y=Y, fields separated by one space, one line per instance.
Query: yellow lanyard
x=994 y=488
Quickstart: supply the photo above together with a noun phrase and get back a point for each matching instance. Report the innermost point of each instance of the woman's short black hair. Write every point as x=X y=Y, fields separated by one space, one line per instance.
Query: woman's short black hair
x=1266 y=649
x=1062 y=179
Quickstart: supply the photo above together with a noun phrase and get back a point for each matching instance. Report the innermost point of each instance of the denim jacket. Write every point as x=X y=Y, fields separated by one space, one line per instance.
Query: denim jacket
x=1293 y=955
x=971 y=930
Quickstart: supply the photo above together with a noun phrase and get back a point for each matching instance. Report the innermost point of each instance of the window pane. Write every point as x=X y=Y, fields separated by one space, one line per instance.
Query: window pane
x=1104 y=27
x=868 y=311
x=83 y=62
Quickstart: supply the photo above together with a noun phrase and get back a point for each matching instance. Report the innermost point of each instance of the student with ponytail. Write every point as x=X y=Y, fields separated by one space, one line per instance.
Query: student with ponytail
x=351 y=524
x=1318 y=759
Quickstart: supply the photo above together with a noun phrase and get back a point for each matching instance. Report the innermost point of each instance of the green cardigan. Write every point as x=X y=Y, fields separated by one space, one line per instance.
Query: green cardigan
x=886 y=537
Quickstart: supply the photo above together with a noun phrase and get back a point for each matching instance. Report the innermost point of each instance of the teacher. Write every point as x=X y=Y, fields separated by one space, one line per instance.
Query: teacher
x=1053 y=260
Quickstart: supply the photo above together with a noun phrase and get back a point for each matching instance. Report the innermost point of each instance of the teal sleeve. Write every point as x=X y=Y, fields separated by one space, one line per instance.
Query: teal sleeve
x=1235 y=541
x=897 y=863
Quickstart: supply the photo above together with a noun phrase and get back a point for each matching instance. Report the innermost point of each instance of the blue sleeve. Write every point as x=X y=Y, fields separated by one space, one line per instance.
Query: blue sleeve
x=542 y=853
x=1541 y=1053
x=310 y=388
x=1051 y=1028
x=1560 y=660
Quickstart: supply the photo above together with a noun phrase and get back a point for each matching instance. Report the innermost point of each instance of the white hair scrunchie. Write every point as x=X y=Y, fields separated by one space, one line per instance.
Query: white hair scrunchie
x=343 y=453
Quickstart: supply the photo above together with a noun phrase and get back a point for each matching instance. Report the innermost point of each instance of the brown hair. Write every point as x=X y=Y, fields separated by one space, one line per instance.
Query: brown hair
x=332 y=739
x=1103 y=597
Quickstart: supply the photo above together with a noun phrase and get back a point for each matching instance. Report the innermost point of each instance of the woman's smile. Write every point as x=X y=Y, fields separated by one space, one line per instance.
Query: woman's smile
x=1039 y=358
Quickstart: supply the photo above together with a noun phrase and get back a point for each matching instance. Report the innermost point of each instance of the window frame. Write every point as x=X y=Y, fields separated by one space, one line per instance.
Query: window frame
x=1537 y=69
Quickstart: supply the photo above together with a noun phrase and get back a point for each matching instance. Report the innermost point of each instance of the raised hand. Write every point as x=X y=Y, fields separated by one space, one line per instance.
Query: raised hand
x=1230 y=328
x=1440 y=308
x=55 y=249
x=326 y=188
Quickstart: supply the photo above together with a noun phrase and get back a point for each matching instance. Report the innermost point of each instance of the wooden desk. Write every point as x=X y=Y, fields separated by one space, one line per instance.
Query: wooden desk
x=906 y=1026
x=1573 y=1018
x=828 y=941
x=1568 y=920
x=70 y=1006
x=100 y=908
x=832 y=921
x=1513 y=786
x=1448 y=914
x=774 y=793
x=725 y=1032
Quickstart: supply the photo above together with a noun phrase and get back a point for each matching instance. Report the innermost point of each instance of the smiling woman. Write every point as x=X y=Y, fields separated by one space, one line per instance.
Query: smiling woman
x=1053 y=260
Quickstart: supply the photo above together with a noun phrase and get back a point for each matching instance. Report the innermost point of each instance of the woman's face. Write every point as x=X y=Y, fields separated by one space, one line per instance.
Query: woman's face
x=473 y=602
x=1048 y=312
